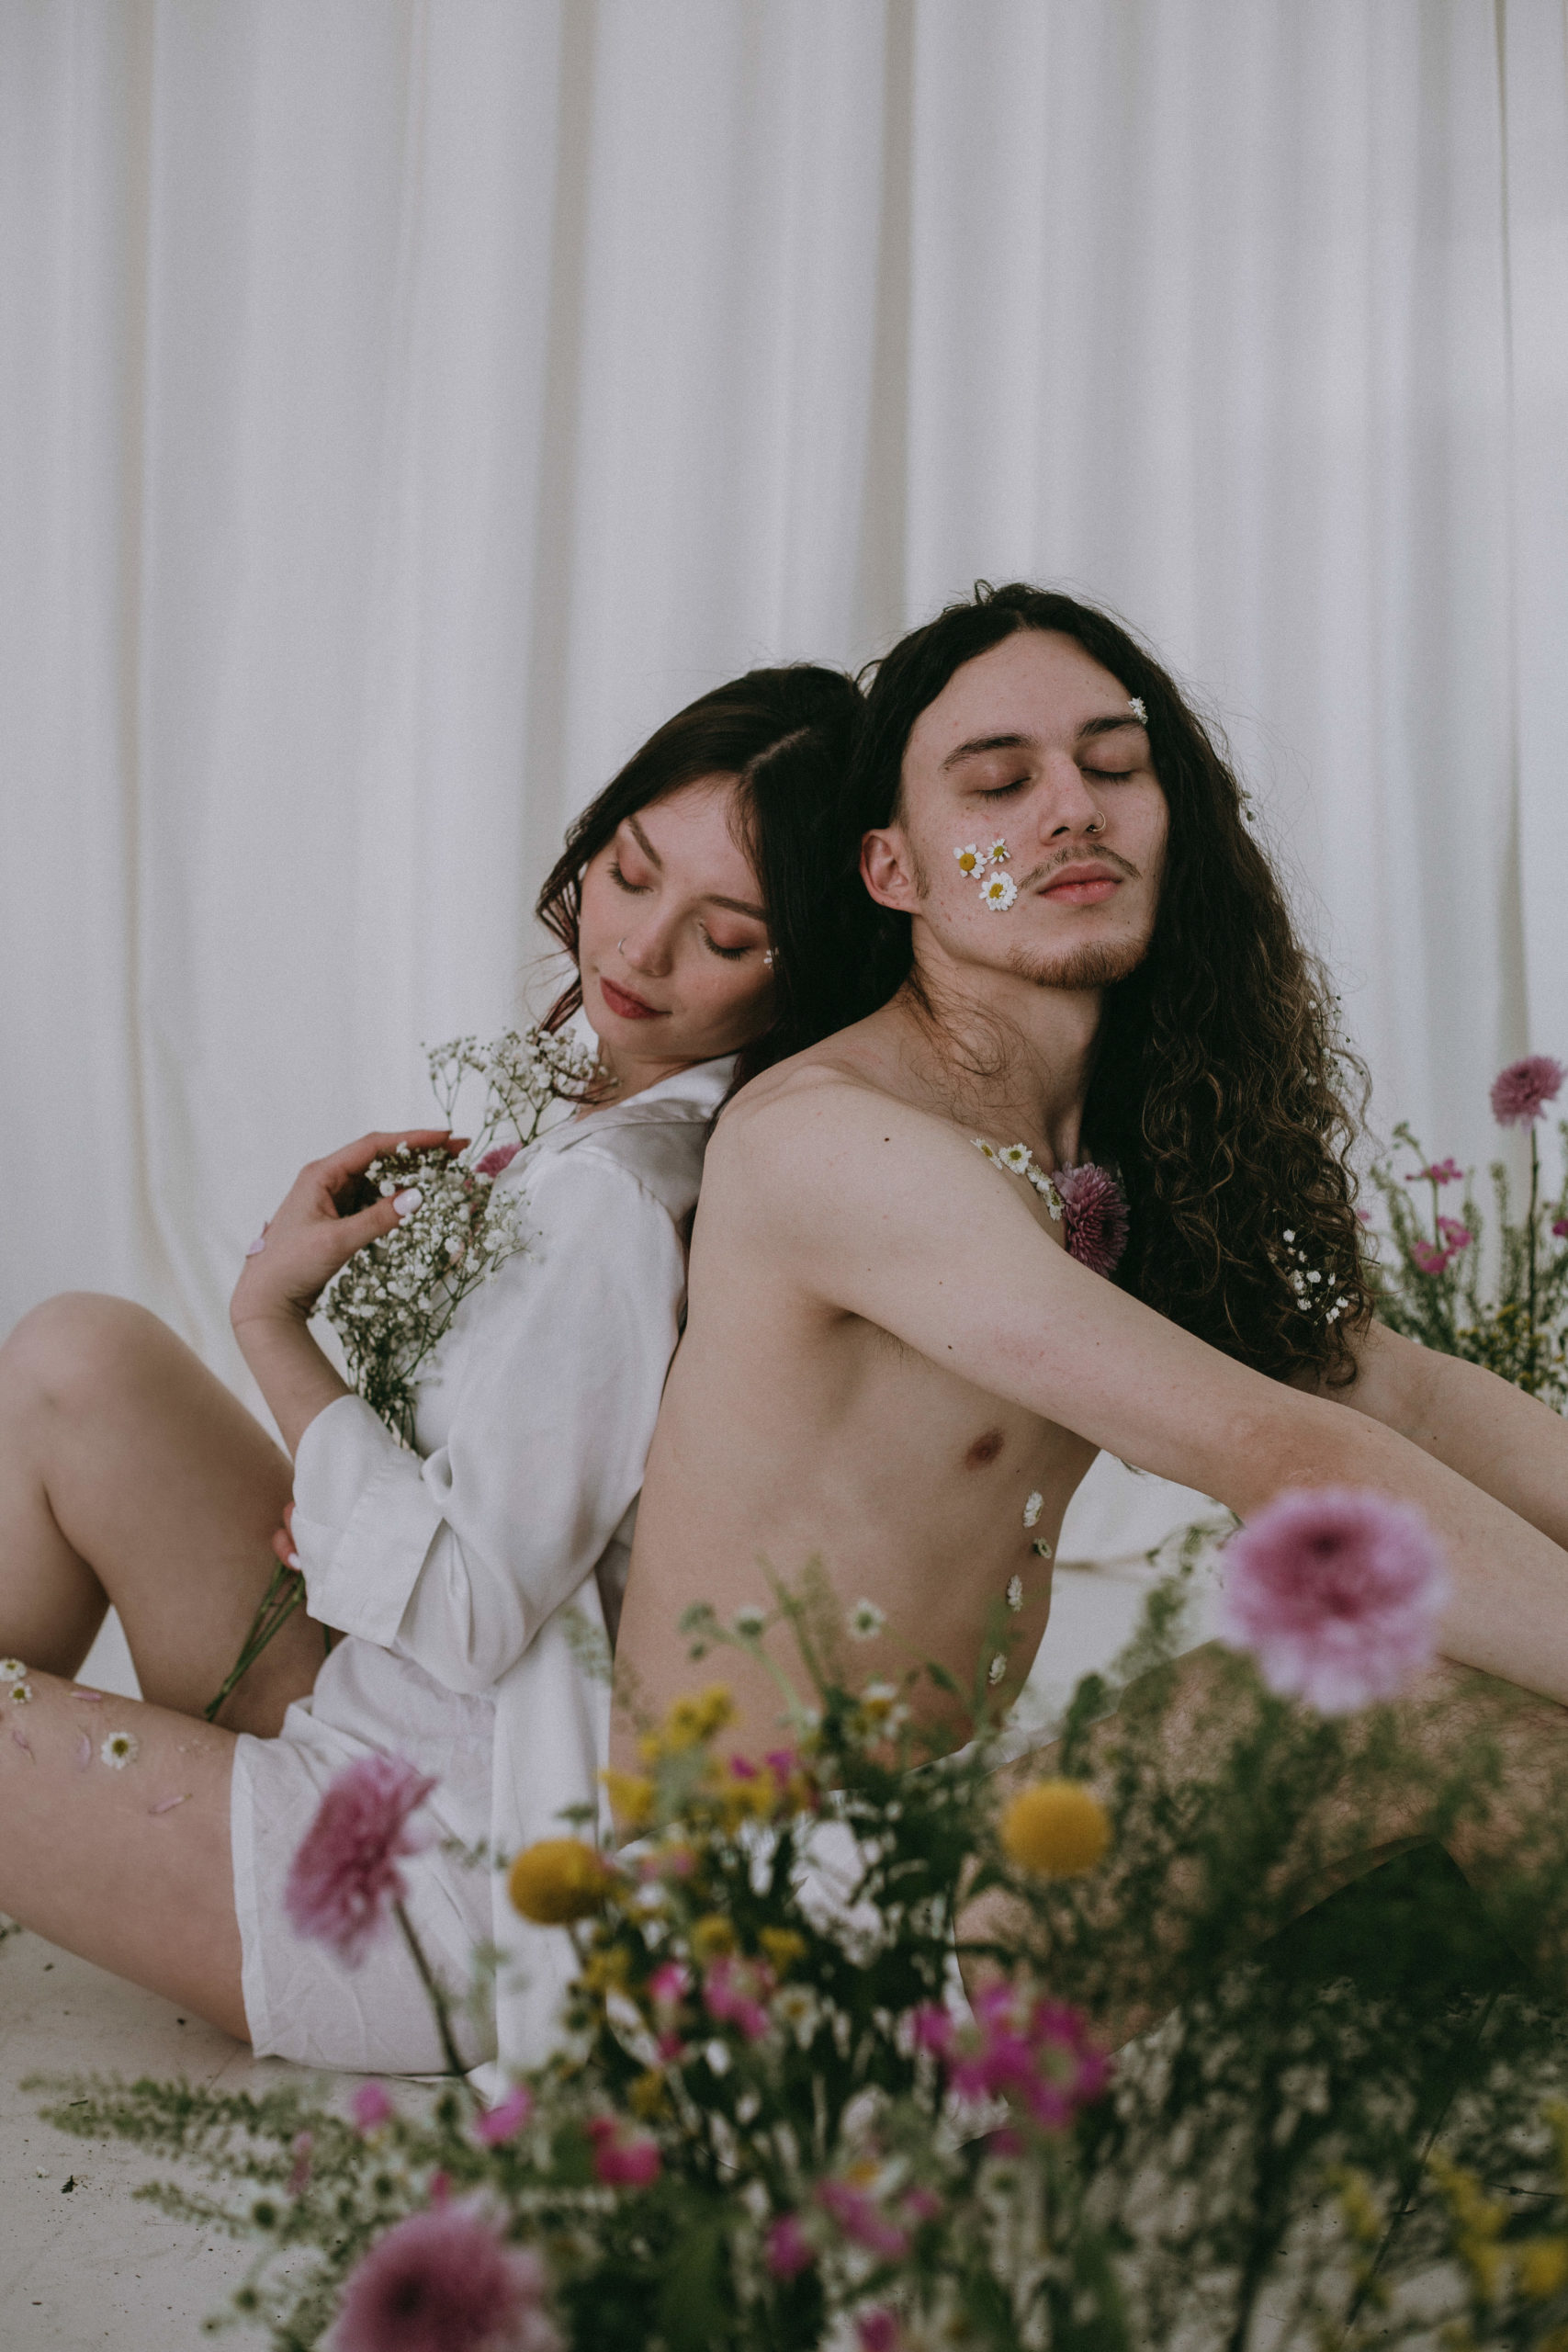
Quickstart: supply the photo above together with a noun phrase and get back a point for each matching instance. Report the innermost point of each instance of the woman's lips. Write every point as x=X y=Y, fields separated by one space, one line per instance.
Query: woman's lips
x=624 y=1005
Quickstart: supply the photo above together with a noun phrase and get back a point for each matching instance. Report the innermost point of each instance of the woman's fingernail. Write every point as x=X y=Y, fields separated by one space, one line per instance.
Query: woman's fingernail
x=254 y=1249
x=406 y=1203
x=294 y=1559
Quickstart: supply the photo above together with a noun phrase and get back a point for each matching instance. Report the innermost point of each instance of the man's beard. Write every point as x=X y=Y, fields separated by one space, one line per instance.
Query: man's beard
x=1097 y=964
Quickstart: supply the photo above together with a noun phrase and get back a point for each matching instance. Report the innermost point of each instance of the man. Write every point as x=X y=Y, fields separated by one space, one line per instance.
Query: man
x=892 y=1361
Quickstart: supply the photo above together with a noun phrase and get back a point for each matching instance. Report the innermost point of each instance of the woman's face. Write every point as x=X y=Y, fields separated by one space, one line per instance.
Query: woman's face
x=671 y=937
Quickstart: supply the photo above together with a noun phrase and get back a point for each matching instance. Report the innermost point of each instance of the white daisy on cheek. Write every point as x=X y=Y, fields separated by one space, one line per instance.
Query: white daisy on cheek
x=998 y=891
x=969 y=858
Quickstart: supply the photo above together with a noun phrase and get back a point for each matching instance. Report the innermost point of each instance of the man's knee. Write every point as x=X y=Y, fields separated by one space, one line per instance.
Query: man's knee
x=65 y=1355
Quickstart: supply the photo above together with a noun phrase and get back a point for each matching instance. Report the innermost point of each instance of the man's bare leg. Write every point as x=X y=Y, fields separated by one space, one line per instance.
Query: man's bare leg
x=1520 y=1824
x=130 y=1867
x=130 y=1476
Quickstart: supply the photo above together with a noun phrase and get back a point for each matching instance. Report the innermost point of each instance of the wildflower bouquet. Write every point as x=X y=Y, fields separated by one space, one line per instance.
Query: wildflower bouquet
x=1434 y=1290
x=772 y=2124
x=394 y=1301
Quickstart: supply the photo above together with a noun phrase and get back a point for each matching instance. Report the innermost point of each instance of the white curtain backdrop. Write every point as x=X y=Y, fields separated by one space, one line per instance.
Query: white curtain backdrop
x=404 y=404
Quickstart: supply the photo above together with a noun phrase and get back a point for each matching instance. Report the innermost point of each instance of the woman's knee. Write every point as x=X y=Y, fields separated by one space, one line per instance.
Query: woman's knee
x=67 y=1355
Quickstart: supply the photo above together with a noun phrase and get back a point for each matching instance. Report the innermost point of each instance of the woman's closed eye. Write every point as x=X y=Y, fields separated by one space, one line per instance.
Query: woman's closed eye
x=747 y=948
x=636 y=889
x=1112 y=775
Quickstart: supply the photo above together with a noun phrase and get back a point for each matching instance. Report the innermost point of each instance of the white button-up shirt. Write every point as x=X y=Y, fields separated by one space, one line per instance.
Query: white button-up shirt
x=486 y=1557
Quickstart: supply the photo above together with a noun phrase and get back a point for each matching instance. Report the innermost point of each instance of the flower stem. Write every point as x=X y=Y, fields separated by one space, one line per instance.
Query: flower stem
x=436 y=1992
x=1530 y=1244
x=285 y=1591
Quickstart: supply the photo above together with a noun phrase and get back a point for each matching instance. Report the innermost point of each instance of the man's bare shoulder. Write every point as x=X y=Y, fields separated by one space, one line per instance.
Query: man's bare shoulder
x=833 y=1094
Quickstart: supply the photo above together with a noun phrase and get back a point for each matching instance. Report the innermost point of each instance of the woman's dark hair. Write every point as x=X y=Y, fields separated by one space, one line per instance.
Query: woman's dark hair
x=786 y=736
x=1218 y=1086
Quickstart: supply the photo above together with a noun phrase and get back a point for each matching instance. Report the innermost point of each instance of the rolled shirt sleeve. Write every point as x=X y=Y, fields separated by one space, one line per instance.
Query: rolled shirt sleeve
x=549 y=1385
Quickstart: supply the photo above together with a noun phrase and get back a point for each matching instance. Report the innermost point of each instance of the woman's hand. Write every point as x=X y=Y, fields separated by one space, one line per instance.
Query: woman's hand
x=319 y=1225
x=319 y=1228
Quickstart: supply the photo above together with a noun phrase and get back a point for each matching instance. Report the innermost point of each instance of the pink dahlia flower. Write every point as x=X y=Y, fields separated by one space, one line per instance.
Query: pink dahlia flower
x=1521 y=1092
x=623 y=2158
x=505 y=2122
x=445 y=2283
x=1560 y=1228
x=1336 y=1592
x=861 y=2218
x=1430 y=1258
x=1457 y=1236
x=1095 y=1215
x=786 y=2248
x=345 y=1872
x=371 y=2107
x=1441 y=1171
x=876 y=2330
x=734 y=1991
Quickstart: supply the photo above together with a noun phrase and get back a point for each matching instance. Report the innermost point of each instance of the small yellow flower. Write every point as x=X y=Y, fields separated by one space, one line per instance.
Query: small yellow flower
x=631 y=1796
x=782 y=1947
x=1057 y=1828
x=557 y=1880
x=1543 y=2267
x=713 y=1937
x=693 y=1722
x=605 y=1970
x=969 y=858
x=648 y=2094
x=998 y=854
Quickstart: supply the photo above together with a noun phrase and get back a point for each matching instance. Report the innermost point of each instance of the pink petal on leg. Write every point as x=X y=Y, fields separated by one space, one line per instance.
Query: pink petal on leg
x=167 y=1805
x=95 y=1696
x=24 y=1743
x=83 y=1753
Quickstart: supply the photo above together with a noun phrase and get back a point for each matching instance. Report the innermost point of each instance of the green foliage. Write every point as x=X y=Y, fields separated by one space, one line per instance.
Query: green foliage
x=1318 y=2114
x=1438 y=1291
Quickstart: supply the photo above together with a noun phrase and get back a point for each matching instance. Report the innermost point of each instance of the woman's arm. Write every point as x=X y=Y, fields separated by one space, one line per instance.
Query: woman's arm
x=1510 y=1445
x=549 y=1383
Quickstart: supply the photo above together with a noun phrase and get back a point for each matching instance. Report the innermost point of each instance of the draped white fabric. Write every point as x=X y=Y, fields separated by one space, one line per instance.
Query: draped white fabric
x=407 y=403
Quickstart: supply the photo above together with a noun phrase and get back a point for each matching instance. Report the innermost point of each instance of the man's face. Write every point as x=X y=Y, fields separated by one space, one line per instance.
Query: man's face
x=1034 y=744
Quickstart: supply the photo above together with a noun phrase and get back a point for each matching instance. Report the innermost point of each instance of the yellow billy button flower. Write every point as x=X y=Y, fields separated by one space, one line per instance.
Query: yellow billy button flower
x=782 y=1947
x=1543 y=2267
x=631 y=1797
x=713 y=1937
x=557 y=1880
x=1056 y=1827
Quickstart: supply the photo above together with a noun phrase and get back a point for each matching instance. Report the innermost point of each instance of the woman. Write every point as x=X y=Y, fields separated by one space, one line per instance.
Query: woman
x=469 y=1577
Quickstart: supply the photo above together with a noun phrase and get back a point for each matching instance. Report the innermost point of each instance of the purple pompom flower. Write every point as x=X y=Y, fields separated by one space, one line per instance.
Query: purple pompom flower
x=1095 y=1215
x=443 y=2281
x=345 y=1872
x=500 y=1155
x=371 y=2107
x=501 y=2123
x=1336 y=1592
x=786 y=2248
x=1521 y=1092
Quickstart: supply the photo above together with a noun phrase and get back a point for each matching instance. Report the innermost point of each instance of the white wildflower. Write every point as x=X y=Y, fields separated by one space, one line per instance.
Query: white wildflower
x=970 y=861
x=12 y=1669
x=1044 y=1548
x=750 y=1621
x=21 y=1692
x=1135 y=705
x=866 y=1621
x=798 y=2011
x=121 y=1749
x=1033 y=1508
x=1015 y=1594
x=996 y=1668
x=1016 y=1157
x=998 y=892
x=998 y=854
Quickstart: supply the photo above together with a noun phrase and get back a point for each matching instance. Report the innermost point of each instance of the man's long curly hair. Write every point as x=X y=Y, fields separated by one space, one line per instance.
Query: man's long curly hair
x=1219 y=1084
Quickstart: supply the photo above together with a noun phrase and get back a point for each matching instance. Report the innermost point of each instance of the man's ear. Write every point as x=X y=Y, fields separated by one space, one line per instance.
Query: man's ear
x=887 y=869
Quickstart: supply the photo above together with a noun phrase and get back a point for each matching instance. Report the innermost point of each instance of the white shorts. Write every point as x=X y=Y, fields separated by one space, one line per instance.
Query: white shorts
x=301 y=2001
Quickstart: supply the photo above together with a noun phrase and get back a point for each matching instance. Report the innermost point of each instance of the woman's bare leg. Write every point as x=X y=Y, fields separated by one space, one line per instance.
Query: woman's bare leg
x=130 y=1476
x=129 y=1867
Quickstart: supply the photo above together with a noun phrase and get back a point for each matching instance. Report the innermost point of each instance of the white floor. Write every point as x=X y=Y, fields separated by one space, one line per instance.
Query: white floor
x=81 y=2264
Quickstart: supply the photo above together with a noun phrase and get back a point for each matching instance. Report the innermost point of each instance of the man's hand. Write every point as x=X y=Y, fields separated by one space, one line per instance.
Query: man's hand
x=319 y=1225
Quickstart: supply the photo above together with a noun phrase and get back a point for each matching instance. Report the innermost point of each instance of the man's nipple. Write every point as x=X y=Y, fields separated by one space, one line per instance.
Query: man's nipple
x=985 y=1450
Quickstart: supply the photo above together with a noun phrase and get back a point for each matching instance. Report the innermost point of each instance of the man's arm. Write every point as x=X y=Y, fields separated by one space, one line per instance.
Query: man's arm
x=1506 y=1443
x=872 y=1208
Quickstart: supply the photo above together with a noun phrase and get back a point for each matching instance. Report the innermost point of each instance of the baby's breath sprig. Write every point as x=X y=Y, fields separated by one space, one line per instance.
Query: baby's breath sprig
x=394 y=1301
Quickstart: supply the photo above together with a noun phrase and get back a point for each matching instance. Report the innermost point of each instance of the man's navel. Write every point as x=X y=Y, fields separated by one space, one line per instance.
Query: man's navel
x=985 y=1450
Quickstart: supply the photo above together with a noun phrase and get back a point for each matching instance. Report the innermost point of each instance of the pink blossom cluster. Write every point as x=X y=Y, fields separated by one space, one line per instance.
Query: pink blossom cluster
x=667 y=1988
x=1094 y=1216
x=1521 y=1092
x=624 y=2158
x=445 y=2281
x=344 y=1875
x=1336 y=1592
x=1441 y=1171
x=502 y=2123
x=1031 y=2051
x=1434 y=1258
x=735 y=1991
